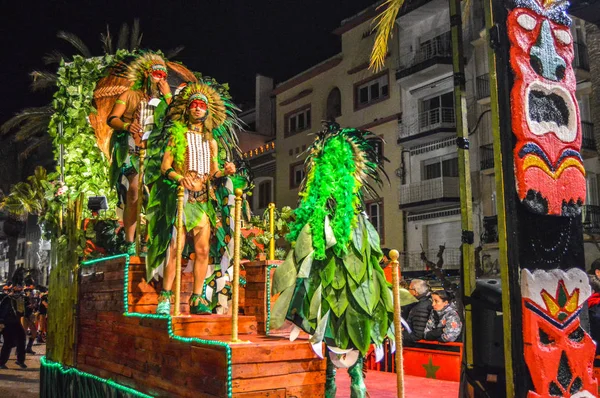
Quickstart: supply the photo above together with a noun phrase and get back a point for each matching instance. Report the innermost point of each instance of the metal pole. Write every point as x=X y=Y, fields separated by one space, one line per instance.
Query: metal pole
x=464 y=169
x=272 y=231
x=236 y=265
x=179 y=249
x=140 y=201
x=397 y=325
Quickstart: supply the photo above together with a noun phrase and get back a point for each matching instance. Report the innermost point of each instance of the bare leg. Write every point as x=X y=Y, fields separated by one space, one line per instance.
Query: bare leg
x=169 y=275
x=130 y=212
x=202 y=250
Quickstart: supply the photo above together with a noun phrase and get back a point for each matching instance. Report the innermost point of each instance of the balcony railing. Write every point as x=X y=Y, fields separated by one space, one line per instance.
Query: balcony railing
x=587 y=136
x=439 y=46
x=428 y=120
x=490 y=229
x=483 y=86
x=590 y=215
x=429 y=190
x=411 y=261
x=486 y=156
x=581 y=59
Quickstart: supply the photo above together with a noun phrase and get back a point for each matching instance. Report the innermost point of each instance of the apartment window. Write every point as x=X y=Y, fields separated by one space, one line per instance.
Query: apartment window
x=438 y=109
x=297 y=121
x=264 y=194
x=374 y=211
x=371 y=91
x=440 y=167
x=334 y=104
x=296 y=174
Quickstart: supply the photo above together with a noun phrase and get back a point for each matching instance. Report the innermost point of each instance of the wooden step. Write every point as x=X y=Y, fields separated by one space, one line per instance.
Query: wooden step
x=203 y=326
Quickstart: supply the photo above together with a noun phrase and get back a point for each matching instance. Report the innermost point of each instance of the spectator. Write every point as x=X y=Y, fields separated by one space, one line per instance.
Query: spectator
x=594 y=304
x=12 y=307
x=418 y=313
x=444 y=323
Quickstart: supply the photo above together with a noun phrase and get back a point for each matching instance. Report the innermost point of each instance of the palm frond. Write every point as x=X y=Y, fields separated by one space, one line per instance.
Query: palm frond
x=25 y=115
x=76 y=42
x=106 y=40
x=384 y=26
x=174 y=52
x=135 y=39
x=42 y=80
x=466 y=11
x=53 y=57
x=123 y=37
x=25 y=153
x=33 y=127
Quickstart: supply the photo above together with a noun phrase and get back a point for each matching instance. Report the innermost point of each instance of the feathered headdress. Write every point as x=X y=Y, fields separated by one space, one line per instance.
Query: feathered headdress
x=339 y=165
x=147 y=62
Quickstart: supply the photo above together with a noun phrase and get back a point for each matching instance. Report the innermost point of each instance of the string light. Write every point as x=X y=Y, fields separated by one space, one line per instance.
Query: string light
x=168 y=318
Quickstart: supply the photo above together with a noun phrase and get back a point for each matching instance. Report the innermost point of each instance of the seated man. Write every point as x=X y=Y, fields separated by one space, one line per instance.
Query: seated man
x=419 y=313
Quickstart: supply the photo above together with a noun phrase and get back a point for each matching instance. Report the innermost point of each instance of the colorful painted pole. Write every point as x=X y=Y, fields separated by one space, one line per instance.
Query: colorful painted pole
x=179 y=250
x=541 y=186
x=397 y=325
x=272 y=231
x=140 y=202
x=237 y=233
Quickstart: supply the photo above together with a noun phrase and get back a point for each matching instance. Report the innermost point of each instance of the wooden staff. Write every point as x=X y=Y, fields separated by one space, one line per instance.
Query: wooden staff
x=272 y=231
x=236 y=266
x=179 y=250
x=397 y=325
x=138 y=224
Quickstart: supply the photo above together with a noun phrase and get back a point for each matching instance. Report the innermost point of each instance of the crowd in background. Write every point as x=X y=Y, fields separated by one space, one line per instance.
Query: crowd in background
x=23 y=315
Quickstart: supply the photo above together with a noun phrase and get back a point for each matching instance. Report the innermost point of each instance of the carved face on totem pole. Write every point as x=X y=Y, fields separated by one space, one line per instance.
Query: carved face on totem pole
x=558 y=352
x=549 y=170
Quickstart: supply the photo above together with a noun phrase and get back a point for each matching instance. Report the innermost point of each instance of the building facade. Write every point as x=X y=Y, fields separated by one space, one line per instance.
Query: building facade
x=342 y=88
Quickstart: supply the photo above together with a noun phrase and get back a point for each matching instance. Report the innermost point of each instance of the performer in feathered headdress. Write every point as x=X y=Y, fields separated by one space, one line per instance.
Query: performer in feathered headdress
x=200 y=115
x=331 y=284
x=132 y=117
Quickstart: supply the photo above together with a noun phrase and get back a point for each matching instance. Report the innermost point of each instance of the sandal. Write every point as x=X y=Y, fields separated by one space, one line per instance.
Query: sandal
x=164 y=303
x=199 y=305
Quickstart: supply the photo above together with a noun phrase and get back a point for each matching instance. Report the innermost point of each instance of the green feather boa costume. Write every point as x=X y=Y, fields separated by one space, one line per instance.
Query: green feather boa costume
x=331 y=284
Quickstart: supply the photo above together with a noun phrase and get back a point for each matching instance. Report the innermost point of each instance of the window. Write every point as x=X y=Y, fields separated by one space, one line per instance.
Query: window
x=297 y=121
x=439 y=167
x=334 y=104
x=296 y=174
x=435 y=110
x=369 y=92
x=374 y=211
x=264 y=194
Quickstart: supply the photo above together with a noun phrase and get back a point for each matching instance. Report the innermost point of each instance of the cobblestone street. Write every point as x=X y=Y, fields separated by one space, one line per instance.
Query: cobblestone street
x=22 y=383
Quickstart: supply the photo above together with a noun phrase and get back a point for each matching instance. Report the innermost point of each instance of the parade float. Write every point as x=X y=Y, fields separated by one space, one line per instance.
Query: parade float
x=105 y=336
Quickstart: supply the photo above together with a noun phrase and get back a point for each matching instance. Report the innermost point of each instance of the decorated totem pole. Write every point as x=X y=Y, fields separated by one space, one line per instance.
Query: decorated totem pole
x=541 y=185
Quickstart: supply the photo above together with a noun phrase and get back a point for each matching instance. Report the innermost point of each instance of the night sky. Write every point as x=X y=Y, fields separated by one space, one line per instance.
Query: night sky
x=229 y=40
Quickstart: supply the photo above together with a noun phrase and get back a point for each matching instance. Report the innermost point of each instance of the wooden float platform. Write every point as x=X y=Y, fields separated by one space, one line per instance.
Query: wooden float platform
x=185 y=356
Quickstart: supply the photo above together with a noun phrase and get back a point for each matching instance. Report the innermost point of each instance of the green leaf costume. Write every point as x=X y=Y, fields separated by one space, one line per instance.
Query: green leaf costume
x=331 y=283
x=162 y=204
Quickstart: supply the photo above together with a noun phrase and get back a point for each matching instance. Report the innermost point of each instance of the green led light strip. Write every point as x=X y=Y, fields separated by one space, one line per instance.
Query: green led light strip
x=268 y=294
x=168 y=318
x=46 y=363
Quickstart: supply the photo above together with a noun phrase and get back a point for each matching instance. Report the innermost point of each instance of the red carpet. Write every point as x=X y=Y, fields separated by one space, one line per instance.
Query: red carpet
x=383 y=385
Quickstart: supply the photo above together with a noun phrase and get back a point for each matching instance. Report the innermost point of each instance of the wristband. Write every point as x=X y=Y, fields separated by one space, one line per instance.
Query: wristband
x=126 y=126
x=167 y=95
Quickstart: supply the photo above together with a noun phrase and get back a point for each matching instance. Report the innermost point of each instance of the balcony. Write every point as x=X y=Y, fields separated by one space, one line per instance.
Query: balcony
x=482 y=84
x=430 y=194
x=588 y=141
x=411 y=261
x=590 y=215
x=432 y=59
x=486 y=157
x=436 y=123
x=490 y=230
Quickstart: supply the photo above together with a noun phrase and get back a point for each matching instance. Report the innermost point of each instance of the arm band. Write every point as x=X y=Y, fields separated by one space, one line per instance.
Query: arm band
x=111 y=118
x=168 y=172
x=120 y=101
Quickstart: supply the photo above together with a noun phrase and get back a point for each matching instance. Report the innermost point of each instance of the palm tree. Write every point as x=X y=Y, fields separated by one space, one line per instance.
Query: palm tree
x=24 y=198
